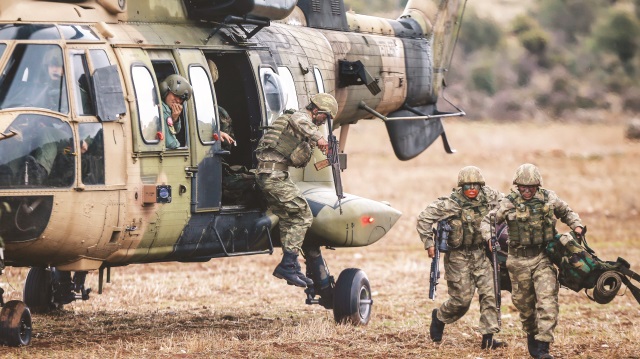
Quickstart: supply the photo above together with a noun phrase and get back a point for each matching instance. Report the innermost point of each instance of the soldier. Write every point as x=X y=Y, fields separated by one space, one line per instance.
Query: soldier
x=466 y=264
x=276 y=151
x=175 y=90
x=530 y=213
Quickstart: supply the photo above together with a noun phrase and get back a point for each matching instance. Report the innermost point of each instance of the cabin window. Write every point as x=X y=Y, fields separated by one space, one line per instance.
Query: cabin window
x=203 y=98
x=40 y=153
x=147 y=102
x=81 y=87
x=274 y=97
x=78 y=33
x=99 y=59
x=34 y=77
x=28 y=32
x=91 y=153
x=318 y=76
x=289 y=88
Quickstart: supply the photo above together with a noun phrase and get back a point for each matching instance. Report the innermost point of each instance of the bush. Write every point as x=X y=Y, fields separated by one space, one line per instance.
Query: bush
x=534 y=40
x=477 y=33
x=483 y=79
x=571 y=17
x=618 y=33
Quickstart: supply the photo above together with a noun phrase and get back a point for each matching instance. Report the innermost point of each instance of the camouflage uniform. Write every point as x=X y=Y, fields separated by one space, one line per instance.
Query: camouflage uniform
x=533 y=276
x=226 y=126
x=284 y=198
x=466 y=264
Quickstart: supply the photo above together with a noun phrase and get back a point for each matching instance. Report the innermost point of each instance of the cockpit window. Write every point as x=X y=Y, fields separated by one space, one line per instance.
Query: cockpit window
x=274 y=96
x=40 y=153
x=29 y=32
x=2 y=47
x=78 y=33
x=34 y=77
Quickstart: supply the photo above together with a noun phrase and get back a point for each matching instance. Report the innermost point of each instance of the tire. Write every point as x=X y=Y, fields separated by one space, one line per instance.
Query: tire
x=15 y=324
x=38 y=291
x=352 y=298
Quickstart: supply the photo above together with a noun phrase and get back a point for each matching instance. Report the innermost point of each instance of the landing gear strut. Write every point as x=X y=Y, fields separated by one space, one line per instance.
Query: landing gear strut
x=349 y=297
x=50 y=289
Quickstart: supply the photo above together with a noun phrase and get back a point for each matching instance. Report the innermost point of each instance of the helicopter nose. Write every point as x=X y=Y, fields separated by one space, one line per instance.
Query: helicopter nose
x=355 y=222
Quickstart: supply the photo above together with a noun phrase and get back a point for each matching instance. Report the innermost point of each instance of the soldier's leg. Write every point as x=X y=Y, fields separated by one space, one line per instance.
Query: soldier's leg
x=523 y=295
x=460 y=285
x=546 y=289
x=483 y=275
x=286 y=202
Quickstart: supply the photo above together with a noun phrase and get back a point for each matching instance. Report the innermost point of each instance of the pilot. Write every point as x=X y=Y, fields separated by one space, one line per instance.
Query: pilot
x=466 y=264
x=175 y=90
x=276 y=151
x=530 y=212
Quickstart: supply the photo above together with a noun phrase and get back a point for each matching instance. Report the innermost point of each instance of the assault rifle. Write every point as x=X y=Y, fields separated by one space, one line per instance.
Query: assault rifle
x=333 y=161
x=441 y=237
x=495 y=247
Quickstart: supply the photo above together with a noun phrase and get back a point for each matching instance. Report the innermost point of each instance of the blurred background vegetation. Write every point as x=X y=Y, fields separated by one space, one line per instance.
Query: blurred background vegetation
x=541 y=59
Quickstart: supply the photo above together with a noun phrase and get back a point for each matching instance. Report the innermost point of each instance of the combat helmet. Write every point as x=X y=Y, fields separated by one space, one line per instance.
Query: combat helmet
x=527 y=175
x=53 y=56
x=325 y=102
x=470 y=174
x=177 y=85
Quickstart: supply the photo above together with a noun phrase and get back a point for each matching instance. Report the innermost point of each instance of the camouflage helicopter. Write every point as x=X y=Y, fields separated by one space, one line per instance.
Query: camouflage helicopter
x=88 y=183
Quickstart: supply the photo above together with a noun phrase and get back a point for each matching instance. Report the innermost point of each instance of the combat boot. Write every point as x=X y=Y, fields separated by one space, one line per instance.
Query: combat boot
x=532 y=345
x=489 y=343
x=543 y=350
x=289 y=270
x=308 y=282
x=437 y=327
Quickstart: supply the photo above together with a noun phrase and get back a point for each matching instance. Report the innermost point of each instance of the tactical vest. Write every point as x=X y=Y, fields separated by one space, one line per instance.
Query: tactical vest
x=466 y=225
x=531 y=222
x=280 y=137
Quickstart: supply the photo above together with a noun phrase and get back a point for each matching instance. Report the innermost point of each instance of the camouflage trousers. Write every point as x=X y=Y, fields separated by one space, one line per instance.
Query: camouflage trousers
x=535 y=294
x=466 y=270
x=286 y=201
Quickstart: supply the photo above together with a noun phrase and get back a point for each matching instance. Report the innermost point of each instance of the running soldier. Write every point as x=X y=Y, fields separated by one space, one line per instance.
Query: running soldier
x=466 y=264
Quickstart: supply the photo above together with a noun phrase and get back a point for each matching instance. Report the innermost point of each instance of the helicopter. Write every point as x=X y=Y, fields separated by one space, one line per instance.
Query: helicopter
x=87 y=182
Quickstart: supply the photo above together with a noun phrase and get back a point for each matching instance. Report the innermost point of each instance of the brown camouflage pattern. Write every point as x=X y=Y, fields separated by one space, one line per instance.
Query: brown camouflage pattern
x=534 y=279
x=535 y=294
x=527 y=175
x=286 y=201
x=470 y=174
x=465 y=270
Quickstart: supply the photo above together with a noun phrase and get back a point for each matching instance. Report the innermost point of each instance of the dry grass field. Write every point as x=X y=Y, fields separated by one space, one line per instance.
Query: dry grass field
x=234 y=307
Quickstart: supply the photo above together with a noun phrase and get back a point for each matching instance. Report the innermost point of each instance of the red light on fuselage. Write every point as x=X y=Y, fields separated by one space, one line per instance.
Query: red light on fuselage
x=367 y=220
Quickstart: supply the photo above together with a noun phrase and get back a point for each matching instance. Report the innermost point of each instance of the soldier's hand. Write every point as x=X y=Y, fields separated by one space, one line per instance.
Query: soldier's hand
x=578 y=231
x=431 y=251
x=176 y=110
x=323 y=145
x=226 y=138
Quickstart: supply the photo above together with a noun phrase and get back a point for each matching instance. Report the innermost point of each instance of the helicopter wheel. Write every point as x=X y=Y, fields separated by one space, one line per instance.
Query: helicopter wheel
x=15 y=324
x=352 y=298
x=38 y=291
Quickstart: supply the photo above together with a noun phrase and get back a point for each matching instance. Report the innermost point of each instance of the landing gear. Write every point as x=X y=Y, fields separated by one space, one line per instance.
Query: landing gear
x=46 y=290
x=15 y=319
x=15 y=324
x=352 y=298
x=349 y=297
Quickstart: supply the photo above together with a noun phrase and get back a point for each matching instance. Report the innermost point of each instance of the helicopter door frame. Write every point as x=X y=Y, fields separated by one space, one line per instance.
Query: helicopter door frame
x=205 y=167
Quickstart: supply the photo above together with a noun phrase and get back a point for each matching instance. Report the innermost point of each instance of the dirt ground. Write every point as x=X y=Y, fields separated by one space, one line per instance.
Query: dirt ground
x=235 y=308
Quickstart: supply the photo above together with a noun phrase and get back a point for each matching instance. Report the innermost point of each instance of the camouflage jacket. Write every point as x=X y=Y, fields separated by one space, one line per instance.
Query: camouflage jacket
x=446 y=207
x=302 y=127
x=561 y=211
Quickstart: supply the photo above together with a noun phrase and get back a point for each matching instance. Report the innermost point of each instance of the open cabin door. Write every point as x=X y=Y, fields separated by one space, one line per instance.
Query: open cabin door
x=205 y=168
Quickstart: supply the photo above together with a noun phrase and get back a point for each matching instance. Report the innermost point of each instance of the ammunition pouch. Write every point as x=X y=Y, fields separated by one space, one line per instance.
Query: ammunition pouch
x=301 y=155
